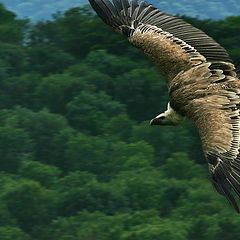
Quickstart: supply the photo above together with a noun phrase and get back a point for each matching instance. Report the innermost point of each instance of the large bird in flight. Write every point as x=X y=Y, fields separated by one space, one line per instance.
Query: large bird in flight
x=202 y=81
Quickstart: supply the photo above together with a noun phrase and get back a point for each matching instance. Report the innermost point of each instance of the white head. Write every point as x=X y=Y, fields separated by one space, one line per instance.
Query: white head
x=169 y=118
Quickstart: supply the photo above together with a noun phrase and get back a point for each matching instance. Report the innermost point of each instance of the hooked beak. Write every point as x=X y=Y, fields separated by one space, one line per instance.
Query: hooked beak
x=154 y=121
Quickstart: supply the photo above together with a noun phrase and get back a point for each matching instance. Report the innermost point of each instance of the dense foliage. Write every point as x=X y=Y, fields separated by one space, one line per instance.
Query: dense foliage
x=42 y=9
x=78 y=158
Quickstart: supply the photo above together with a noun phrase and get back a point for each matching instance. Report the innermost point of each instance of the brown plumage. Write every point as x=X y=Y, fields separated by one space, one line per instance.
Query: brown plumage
x=202 y=81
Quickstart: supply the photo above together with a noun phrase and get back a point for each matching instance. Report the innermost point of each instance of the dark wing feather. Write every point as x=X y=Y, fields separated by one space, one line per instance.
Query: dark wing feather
x=145 y=13
x=134 y=5
x=125 y=7
x=238 y=70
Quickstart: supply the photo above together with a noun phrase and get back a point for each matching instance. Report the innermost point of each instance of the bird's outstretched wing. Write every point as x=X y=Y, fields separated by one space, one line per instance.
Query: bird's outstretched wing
x=219 y=126
x=211 y=99
x=202 y=81
x=170 y=42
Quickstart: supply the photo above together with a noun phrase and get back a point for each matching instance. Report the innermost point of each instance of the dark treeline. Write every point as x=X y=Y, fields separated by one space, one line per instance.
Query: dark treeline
x=79 y=160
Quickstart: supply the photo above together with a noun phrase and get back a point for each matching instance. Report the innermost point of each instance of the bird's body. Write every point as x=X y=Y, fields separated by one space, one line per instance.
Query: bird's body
x=203 y=83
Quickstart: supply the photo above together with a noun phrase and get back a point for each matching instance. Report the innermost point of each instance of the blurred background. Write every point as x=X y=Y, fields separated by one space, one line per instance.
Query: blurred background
x=78 y=159
x=43 y=9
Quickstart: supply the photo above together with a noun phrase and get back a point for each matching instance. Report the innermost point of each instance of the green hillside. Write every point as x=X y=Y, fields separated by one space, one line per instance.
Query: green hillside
x=42 y=9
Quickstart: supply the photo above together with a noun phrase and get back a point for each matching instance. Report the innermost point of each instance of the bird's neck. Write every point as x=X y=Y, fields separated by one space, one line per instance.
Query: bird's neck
x=173 y=116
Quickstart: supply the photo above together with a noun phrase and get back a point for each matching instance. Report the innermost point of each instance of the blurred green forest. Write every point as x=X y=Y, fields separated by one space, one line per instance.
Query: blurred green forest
x=42 y=9
x=79 y=160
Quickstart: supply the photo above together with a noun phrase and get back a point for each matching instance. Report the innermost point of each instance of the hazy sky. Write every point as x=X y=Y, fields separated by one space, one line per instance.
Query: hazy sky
x=42 y=9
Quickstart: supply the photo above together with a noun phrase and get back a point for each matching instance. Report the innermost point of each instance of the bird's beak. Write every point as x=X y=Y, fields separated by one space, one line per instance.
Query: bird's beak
x=154 y=121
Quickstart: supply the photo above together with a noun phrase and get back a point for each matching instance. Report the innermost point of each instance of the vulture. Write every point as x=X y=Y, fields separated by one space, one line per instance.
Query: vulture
x=202 y=81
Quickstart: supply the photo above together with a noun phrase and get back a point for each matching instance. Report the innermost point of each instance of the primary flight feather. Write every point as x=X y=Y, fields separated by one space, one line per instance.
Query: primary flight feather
x=202 y=81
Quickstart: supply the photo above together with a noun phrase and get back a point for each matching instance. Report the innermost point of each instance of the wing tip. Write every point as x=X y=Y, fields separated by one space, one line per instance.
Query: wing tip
x=224 y=190
x=118 y=14
x=224 y=179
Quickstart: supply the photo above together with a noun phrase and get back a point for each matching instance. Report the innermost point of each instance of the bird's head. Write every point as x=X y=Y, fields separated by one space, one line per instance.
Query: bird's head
x=168 y=118
x=164 y=120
